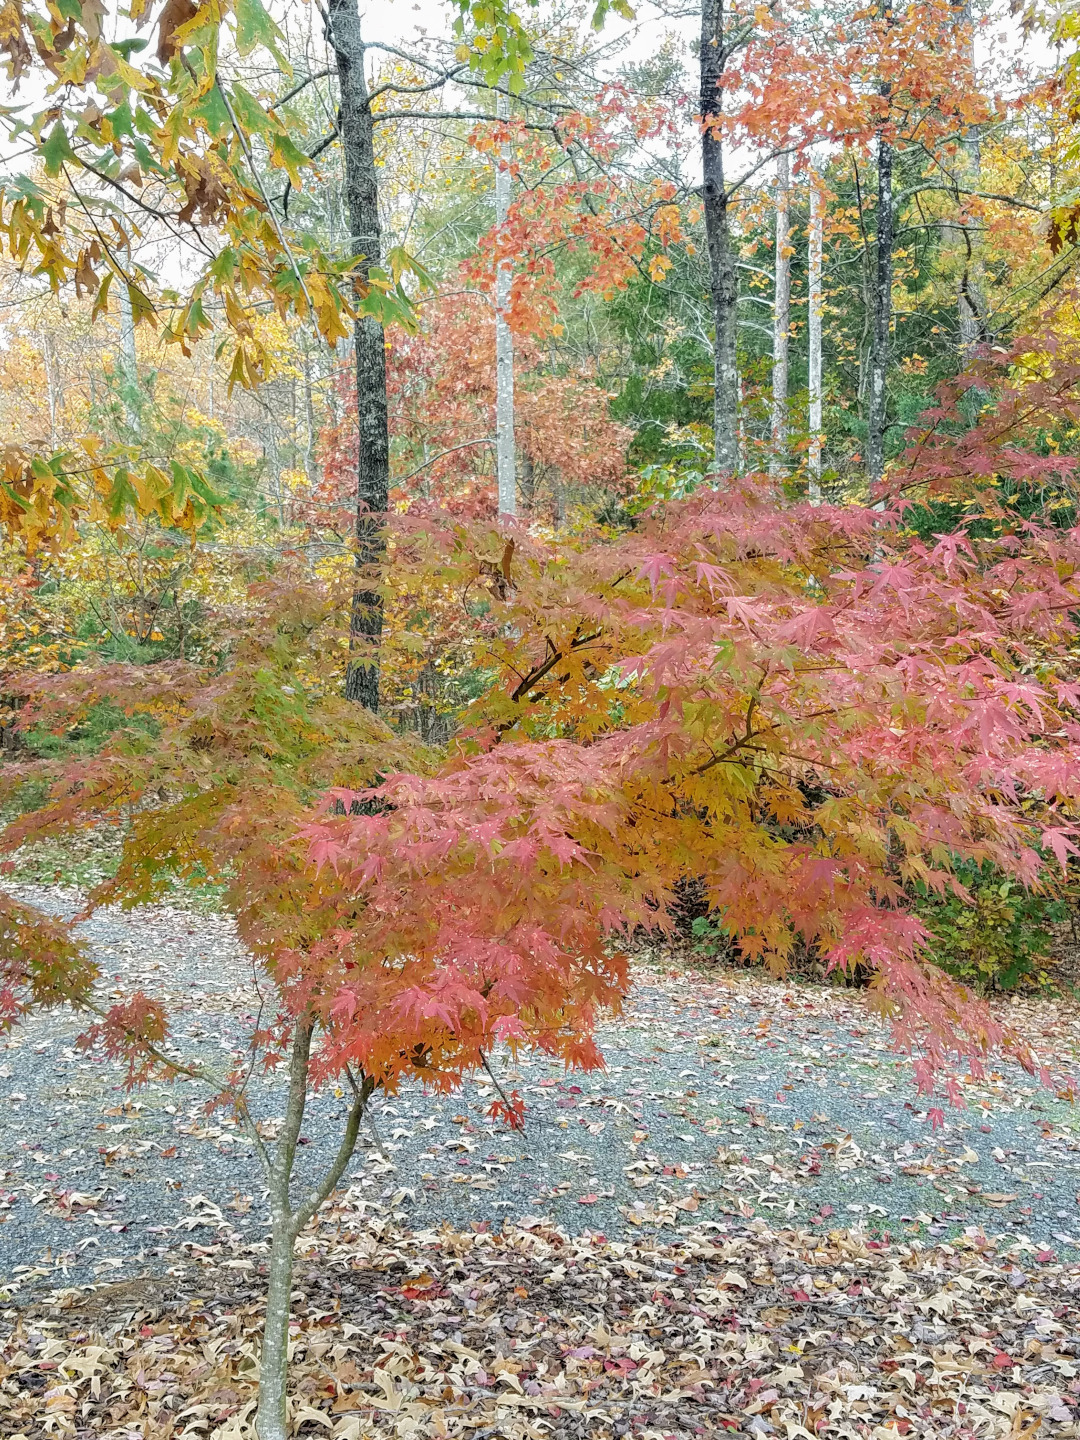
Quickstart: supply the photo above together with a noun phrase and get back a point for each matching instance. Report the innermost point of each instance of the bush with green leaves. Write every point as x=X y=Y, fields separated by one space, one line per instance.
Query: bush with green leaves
x=997 y=939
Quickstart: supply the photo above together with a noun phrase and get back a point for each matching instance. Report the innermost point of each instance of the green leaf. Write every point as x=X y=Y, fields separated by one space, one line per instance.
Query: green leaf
x=401 y=262
x=223 y=265
x=120 y=120
x=201 y=486
x=145 y=157
x=211 y=111
x=69 y=9
x=142 y=307
x=181 y=484
x=122 y=496
x=56 y=150
x=603 y=7
x=251 y=116
x=287 y=156
x=101 y=303
x=126 y=48
x=197 y=320
x=254 y=27
x=145 y=122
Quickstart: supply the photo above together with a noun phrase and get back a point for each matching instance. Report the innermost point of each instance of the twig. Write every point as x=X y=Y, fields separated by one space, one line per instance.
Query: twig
x=510 y=1109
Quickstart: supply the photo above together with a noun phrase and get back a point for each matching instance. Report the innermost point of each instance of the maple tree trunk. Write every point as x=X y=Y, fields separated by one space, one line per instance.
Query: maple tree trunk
x=271 y=1422
x=881 y=322
x=814 y=337
x=274 y=1356
x=357 y=131
x=781 y=318
x=504 y=344
x=723 y=283
x=286 y=1223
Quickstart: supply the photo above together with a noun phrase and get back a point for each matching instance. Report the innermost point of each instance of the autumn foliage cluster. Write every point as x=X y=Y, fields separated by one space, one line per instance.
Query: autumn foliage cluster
x=807 y=709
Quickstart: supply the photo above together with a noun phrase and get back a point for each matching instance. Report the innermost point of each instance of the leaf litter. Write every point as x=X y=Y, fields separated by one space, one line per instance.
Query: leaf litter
x=747 y=1224
x=533 y=1332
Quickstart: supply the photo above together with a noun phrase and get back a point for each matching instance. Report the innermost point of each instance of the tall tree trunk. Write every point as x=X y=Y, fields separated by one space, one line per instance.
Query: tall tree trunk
x=722 y=274
x=506 y=463
x=881 y=323
x=881 y=296
x=814 y=336
x=309 y=418
x=781 y=317
x=970 y=302
x=357 y=131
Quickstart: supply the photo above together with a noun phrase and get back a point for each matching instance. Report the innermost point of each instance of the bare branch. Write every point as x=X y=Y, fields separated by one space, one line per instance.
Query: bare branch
x=308 y=80
x=465 y=445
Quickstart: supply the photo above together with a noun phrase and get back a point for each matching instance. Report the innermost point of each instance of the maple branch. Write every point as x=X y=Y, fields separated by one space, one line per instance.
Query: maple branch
x=556 y=107
x=748 y=734
x=381 y=115
x=502 y=1093
x=166 y=220
x=192 y=1071
x=537 y=673
x=285 y=1151
x=465 y=445
x=958 y=190
x=308 y=80
x=443 y=78
x=322 y=145
x=315 y=1197
x=119 y=269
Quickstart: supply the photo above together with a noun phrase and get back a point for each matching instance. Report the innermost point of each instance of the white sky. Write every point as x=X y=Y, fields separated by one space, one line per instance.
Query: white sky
x=397 y=22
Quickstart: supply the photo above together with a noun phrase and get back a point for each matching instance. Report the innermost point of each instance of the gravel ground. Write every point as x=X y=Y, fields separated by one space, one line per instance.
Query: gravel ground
x=722 y=1101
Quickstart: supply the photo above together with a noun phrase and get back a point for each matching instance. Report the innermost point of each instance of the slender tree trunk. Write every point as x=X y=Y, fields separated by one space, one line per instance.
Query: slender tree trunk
x=50 y=382
x=129 y=371
x=881 y=297
x=723 y=282
x=309 y=419
x=781 y=318
x=271 y=1422
x=506 y=463
x=288 y=1220
x=881 y=323
x=357 y=131
x=274 y=1357
x=528 y=483
x=814 y=337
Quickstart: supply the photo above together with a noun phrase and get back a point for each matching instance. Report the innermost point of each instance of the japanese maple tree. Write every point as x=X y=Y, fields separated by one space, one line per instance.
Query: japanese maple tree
x=805 y=708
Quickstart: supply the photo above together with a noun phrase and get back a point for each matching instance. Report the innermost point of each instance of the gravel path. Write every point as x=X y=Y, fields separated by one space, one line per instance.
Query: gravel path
x=722 y=1101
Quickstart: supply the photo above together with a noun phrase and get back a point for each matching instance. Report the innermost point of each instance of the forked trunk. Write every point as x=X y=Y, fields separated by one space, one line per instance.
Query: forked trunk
x=288 y=1220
